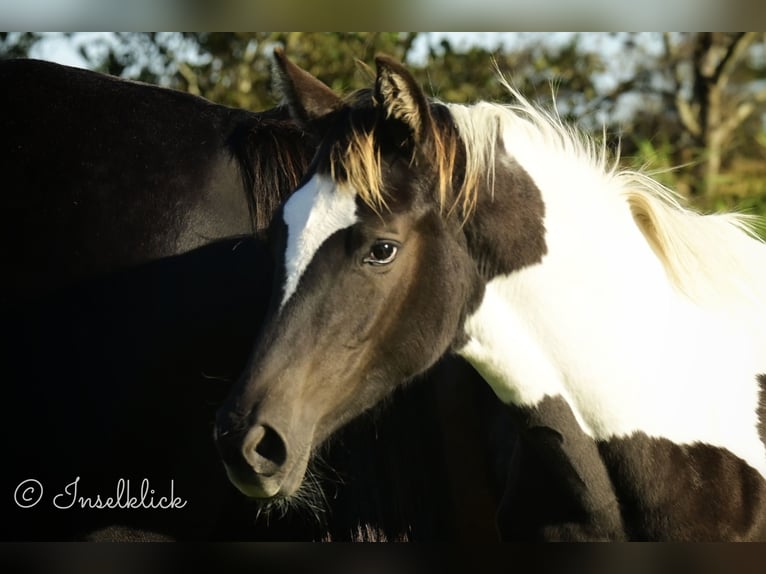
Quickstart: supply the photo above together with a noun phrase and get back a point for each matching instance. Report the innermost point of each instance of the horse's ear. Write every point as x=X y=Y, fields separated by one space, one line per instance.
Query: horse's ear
x=307 y=98
x=401 y=96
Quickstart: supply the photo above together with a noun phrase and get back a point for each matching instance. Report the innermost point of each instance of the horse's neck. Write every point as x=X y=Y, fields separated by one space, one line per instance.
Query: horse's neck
x=598 y=323
x=582 y=314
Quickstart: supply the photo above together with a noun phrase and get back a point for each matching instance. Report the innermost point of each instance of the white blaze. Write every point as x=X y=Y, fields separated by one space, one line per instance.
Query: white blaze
x=313 y=214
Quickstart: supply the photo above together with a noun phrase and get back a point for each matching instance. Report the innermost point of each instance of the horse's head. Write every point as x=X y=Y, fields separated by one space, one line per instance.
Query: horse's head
x=376 y=272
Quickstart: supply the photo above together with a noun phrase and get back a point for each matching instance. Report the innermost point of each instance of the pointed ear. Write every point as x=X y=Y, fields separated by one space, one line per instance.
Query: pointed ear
x=401 y=96
x=307 y=98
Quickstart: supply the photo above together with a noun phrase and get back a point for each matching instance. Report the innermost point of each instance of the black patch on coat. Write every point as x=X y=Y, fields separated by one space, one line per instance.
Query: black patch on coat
x=563 y=485
x=558 y=487
x=694 y=492
x=507 y=231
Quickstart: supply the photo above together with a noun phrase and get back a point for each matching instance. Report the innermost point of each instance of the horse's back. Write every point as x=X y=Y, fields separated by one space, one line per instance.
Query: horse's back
x=128 y=284
x=82 y=152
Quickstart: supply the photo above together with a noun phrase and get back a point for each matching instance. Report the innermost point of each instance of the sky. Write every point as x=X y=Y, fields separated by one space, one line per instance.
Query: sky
x=60 y=49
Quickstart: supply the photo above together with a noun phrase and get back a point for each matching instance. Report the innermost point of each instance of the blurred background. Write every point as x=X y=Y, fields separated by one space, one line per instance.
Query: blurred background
x=690 y=106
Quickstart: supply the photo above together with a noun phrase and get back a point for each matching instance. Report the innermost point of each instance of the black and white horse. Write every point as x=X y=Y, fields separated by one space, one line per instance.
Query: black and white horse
x=626 y=332
x=134 y=283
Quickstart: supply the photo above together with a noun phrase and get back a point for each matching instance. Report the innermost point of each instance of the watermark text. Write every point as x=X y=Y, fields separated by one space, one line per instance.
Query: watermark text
x=127 y=495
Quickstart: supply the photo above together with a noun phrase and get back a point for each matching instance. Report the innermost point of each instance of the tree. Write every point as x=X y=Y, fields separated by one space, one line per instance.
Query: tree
x=703 y=99
x=719 y=97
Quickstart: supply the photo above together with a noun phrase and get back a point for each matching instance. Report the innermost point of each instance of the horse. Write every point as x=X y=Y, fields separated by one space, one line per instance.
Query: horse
x=625 y=331
x=136 y=279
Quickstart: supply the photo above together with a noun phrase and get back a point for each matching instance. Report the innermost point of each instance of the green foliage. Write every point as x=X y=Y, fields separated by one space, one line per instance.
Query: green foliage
x=537 y=68
x=655 y=156
x=237 y=71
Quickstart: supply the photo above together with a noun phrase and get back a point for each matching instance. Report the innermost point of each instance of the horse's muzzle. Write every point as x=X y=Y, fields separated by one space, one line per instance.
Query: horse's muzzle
x=258 y=460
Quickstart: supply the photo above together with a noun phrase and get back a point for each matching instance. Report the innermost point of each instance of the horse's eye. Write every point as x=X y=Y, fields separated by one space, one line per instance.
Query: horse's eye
x=382 y=253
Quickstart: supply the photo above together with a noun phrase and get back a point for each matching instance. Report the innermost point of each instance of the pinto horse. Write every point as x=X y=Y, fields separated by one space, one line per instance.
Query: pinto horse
x=626 y=333
x=135 y=282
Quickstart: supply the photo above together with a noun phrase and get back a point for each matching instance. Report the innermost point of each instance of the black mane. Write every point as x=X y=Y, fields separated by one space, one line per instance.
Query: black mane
x=273 y=153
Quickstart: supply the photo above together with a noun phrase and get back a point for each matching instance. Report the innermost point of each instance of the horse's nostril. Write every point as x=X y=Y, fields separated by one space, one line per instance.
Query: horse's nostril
x=271 y=446
x=265 y=450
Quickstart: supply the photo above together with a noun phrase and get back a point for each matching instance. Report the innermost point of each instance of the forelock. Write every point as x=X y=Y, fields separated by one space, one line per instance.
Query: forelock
x=353 y=151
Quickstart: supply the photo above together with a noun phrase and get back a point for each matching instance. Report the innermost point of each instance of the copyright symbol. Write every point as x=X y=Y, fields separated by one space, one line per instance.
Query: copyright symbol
x=28 y=493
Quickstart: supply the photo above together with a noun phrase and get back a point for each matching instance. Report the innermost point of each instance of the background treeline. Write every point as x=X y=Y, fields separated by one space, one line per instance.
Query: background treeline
x=695 y=102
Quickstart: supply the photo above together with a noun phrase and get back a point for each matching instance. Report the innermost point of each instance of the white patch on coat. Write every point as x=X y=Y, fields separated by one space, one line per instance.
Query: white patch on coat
x=312 y=214
x=600 y=323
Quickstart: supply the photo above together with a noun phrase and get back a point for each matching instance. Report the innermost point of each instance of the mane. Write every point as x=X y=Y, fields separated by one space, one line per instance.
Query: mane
x=709 y=258
x=273 y=154
x=465 y=139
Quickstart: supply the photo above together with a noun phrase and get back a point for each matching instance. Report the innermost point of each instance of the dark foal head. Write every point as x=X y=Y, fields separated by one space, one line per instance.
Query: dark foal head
x=375 y=277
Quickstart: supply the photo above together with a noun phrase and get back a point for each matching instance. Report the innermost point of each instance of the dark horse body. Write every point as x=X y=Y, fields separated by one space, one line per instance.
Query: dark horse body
x=134 y=286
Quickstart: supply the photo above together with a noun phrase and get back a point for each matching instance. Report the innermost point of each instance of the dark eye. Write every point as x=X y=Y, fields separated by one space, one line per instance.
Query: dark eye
x=382 y=253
